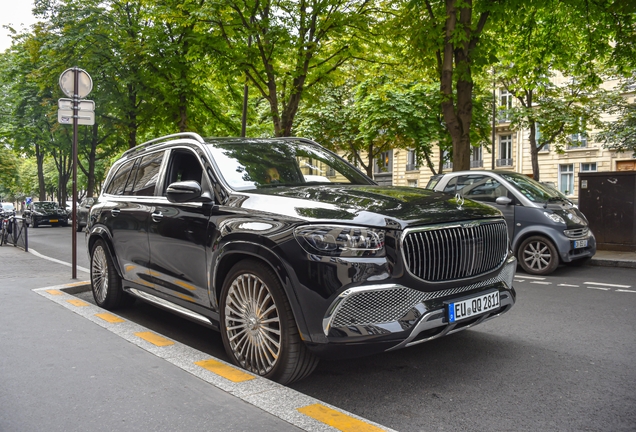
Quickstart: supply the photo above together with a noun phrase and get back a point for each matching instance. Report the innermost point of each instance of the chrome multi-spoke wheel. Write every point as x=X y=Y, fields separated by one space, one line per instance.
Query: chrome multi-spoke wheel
x=537 y=255
x=258 y=327
x=99 y=274
x=105 y=282
x=252 y=324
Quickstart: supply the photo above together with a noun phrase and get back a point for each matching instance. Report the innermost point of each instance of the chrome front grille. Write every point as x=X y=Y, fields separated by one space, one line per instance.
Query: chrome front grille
x=578 y=232
x=455 y=251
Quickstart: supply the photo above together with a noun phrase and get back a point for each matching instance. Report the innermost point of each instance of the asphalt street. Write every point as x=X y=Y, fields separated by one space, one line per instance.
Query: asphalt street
x=561 y=359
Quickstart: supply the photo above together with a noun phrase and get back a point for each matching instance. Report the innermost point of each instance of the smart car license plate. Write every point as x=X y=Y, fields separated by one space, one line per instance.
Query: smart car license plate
x=580 y=244
x=53 y=220
x=460 y=310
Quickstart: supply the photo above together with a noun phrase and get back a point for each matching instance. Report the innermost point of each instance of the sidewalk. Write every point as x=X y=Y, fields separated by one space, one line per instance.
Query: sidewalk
x=59 y=372
x=614 y=259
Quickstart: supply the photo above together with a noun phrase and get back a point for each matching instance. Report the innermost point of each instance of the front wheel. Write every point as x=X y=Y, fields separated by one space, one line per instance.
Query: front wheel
x=537 y=255
x=258 y=328
x=105 y=282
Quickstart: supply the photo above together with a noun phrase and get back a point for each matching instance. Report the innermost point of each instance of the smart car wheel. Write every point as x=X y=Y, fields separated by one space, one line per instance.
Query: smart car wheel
x=258 y=328
x=105 y=281
x=537 y=255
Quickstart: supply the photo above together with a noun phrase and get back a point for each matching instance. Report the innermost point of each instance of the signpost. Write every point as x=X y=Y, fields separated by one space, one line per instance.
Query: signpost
x=76 y=84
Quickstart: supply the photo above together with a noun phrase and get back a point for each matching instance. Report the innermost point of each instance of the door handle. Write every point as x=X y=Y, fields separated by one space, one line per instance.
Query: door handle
x=115 y=212
x=157 y=217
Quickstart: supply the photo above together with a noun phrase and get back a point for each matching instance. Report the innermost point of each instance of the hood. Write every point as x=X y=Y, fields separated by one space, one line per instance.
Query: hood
x=368 y=205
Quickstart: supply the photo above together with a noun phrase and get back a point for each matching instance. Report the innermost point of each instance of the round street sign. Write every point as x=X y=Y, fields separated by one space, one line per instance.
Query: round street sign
x=85 y=82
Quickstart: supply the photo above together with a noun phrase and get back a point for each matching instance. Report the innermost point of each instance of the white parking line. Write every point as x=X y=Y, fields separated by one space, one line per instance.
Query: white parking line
x=598 y=288
x=607 y=285
x=39 y=255
x=541 y=283
x=624 y=290
x=533 y=277
x=568 y=285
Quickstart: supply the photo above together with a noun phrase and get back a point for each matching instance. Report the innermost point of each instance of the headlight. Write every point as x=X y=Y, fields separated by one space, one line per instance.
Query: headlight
x=341 y=241
x=554 y=217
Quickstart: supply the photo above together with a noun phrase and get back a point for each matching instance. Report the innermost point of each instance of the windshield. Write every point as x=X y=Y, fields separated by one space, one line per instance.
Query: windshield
x=532 y=189
x=260 y=164
x=7 y=206
x=45 y=205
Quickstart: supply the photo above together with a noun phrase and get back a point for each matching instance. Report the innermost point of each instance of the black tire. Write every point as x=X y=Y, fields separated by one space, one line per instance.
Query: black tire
x=538 y=256
x=79 y=228
x=105 y=282
x=35 y=223
x=253 y=304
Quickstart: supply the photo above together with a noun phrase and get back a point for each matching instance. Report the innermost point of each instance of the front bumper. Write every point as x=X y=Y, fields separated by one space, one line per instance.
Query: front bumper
x=378 y=318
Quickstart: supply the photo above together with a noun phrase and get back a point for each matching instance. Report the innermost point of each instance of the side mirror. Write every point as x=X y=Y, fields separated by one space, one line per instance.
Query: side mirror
x=502 y=200
x=187 y=191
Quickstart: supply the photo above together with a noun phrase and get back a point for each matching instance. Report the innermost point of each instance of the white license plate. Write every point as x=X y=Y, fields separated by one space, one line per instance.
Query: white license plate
x=474 y=306
x=580 y=244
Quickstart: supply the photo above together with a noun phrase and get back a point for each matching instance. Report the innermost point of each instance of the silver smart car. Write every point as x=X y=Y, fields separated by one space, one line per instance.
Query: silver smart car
x=544 y=227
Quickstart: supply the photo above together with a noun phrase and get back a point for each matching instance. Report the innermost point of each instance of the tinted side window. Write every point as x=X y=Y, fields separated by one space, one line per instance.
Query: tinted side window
x=467 y=180
x=450 y=187
x=184 y=165
x=147 y=174
x=118 y=183
x=486 y=190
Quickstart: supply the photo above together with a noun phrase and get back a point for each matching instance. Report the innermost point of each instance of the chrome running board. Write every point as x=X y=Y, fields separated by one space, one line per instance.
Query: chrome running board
x=168 y=305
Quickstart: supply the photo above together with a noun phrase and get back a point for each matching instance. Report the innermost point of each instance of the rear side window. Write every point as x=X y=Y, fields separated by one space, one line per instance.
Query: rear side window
x=118 y=183
x=450 y=187
x=147 y=174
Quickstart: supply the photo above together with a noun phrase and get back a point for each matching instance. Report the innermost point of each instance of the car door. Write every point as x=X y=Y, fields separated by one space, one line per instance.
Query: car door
x=178 y=234
x=485 y=188
x=126 y=217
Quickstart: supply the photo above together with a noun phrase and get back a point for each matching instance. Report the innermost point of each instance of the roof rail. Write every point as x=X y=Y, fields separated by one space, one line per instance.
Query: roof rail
x=193 y=135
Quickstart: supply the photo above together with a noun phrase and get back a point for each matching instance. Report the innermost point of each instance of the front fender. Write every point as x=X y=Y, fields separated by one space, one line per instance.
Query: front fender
x=101 y=232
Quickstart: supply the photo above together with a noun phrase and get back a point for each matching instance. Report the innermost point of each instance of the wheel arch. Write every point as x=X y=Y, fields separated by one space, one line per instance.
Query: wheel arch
x=101 y=233
x=235 y=252
x=523 y=235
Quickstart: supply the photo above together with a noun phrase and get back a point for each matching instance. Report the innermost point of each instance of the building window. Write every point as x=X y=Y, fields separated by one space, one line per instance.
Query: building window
x=505 y=105
x=412 y=183
x=384 y=162
x=476 y=160
x=411 y=160
x=446 y=158
x=588 y=167
x=566 y=179
x=578 y=140
x=505 y=150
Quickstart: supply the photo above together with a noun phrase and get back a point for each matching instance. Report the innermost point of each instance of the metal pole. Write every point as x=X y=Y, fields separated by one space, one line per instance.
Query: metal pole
x=75 y=121
x=494 y=105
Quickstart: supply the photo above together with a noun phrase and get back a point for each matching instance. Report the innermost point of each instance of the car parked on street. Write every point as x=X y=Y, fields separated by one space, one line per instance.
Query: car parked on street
x=545 y=227
x=82 y=212
x=45 y=213
x=7 y=208
x=291 y=252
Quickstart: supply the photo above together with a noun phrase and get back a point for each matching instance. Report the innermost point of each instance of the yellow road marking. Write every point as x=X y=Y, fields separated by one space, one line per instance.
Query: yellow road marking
x=227 y=372
x=77 y=302
x=337 y=419
x=154 y=338
x=109 y=317
x=77 y=283
x=55 y=292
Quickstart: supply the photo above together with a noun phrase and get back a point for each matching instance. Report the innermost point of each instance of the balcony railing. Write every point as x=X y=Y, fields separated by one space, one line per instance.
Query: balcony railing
x=331 y=172
x=476 y=163
x=412 y=167
x=447 y=165
x=504 y=162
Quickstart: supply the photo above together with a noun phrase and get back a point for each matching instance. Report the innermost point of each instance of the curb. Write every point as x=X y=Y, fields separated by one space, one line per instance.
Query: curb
x=612 y=263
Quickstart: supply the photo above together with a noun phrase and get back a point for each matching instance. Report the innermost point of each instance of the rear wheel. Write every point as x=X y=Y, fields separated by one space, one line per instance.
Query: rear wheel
x=105 y=282
x=258 y=328
x=537 y=255
x=35 y=223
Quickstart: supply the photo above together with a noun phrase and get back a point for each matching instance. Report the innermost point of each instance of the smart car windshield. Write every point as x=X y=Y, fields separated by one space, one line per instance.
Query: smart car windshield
x=261 y=164
x=531 y=189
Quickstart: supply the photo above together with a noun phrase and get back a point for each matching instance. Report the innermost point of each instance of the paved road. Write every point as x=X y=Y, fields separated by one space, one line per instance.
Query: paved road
x=562 y=359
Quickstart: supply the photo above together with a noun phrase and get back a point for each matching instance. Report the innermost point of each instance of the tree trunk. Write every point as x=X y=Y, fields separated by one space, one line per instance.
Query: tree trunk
x=39 y=157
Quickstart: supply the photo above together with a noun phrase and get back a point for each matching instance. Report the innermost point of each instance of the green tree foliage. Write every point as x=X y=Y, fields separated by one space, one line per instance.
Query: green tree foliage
x=286 y=48
x=620 y=135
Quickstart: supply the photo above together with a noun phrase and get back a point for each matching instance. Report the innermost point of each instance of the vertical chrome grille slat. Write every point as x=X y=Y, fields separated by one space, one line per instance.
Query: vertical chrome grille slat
x=455 y=251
